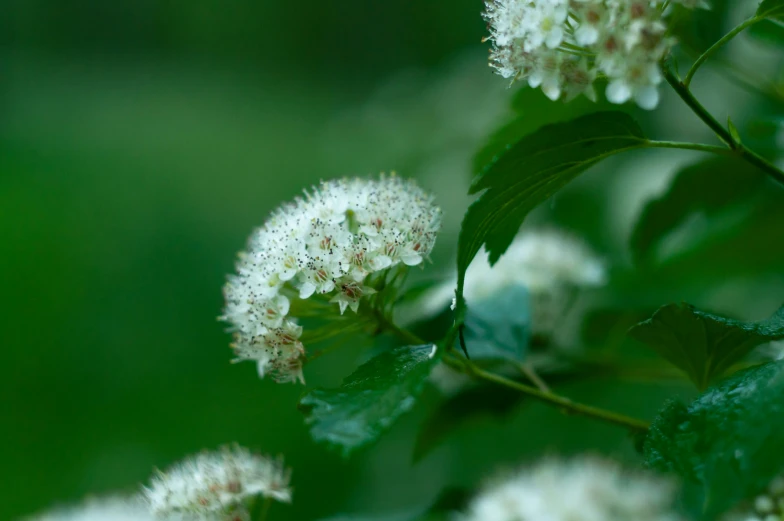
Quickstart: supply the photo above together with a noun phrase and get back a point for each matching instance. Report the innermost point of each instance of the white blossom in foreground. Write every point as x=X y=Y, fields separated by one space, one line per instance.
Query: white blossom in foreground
x=583 y=489
x=104 y=509
x=216 y=486
x=562 y=46
x=325 y=243
x=768 y=506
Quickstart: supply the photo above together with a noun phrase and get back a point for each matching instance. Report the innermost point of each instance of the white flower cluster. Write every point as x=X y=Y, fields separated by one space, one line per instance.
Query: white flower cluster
x=768 y=506
x=583 y=489
x=562 y=46
x=325 y=243
x=216 y=486
x=108 y=509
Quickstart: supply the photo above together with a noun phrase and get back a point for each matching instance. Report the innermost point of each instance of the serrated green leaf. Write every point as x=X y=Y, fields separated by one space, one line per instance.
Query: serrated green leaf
x=532 y=110
x=729 y=180
x=771 y=9
x=532 y=170
x=498 y=328
x=728 y=444
x=370 y=400
x=703 y=345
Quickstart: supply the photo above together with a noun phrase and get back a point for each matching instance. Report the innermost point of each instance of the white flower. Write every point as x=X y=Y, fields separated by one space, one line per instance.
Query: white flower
x=216 y=486
x=583 y=489
x=534 y=40
x=768 y=506
x=325 y=243
x=105 y=509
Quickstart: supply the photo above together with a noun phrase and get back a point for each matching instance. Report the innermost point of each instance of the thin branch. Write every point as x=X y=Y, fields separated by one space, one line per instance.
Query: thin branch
x=737 y=148
x=716 y=46
x=565 y=404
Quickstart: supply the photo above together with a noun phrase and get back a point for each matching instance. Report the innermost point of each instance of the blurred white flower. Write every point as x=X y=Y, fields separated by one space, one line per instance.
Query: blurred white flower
x=582 y=489
x=216 y=486
x=326 y=242
x=104 y=509
x=549 y=263
x=563 y=45
x=768 y=506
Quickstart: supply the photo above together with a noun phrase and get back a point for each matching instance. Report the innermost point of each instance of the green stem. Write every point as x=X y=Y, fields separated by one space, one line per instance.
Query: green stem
x=735 y=147
x=713 y=149
x=713 y=48
x=565 y=404
x=466 y=366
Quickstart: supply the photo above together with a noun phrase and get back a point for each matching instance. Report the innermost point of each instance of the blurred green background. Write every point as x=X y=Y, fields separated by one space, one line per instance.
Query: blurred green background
x=140 y=143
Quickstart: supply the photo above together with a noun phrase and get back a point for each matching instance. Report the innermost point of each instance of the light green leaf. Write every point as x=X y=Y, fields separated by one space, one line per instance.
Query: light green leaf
x=729 y=180
x=773 y=9
x=532 y=170
x=498 y=328
x=370 y=400
x=733 y=130
x=727 y=445
x=703 y=345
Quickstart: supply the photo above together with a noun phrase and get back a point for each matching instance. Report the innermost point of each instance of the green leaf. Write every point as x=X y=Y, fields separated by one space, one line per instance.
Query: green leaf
x=727 y=445
x=703 y=345
x=370 y=400
x=464 y=407
x=498 y=328
x=769 y=31
x=532 y=110
x=532 y=170
x=729 y=180
x=773 y=9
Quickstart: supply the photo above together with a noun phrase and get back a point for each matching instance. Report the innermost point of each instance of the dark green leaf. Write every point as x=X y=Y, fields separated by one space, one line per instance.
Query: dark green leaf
x=462 y=408
x=771 y=9
x=532 y=170
x=769 y=31
x=728 y=444
x=729 y=180
x=499 y=327
x=370 y=400
x=703 y=345
x=532 y=110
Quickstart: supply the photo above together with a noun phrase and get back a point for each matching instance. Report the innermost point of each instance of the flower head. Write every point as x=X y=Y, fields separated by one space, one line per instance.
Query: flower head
x=562 y=46
x=111 y=508
x=217 y=485
x=325 y=243
x=583 y=489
